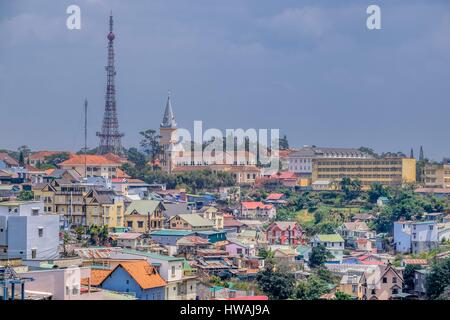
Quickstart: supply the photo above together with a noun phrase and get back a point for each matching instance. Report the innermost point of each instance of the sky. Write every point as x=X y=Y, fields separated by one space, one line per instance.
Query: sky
x=309 y=68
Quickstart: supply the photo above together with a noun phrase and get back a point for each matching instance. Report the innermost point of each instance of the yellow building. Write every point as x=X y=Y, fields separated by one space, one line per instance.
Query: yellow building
x=436 y=175
x=144 y=215
x=387 y=171
x=104 y=208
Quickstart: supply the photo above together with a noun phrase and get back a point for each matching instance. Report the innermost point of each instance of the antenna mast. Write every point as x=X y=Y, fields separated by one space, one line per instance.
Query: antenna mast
x=85 y=136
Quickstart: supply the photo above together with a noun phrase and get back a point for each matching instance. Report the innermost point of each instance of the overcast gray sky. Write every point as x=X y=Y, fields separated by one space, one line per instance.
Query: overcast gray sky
x=310 y=68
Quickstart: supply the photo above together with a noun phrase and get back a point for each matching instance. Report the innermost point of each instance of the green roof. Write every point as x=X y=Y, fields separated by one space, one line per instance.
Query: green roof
x=171 y=232
x=195 y=220
x=142 y=207
x=152 y=255
x=330 y=238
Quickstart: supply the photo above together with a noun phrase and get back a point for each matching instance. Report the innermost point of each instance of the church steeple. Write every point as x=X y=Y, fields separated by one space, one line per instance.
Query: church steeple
x=169 y=118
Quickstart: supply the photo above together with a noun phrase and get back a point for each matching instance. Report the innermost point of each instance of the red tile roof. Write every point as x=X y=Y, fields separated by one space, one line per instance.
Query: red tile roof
x=256 y=204
x=275 y=196
x=90 y=159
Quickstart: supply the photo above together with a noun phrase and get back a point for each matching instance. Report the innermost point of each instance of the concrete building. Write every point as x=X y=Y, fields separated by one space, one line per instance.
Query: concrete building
x=437 y=175
x=386 y=171
x=300 y=161
x=415 y=236
x=26 y=232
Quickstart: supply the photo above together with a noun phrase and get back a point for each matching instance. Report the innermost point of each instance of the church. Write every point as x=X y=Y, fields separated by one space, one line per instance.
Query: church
x=175 y=158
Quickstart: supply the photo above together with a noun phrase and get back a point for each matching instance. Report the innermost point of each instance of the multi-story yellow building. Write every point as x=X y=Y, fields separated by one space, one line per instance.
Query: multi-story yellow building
x=436 y=175
x=387 y=171
x=104 y=208
x=81 y=204
x=145 y=215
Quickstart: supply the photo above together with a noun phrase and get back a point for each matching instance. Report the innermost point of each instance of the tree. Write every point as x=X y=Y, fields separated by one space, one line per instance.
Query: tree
x=318 y=256
x=55 y=159
x=25 y=195
x=283 y=143
x=277 y=285
x=377 y=190
x=150 y=144
x=24 y=153
x=351 y=188
x=311 y=289
x=66 y=240
x=136 y=157
x=438 y=279
x=339 y=295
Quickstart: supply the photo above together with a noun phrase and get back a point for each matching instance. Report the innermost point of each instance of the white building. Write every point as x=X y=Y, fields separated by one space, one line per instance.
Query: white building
x=26 y=232
x=300 y=161
x=334 y=243
x=415 y=236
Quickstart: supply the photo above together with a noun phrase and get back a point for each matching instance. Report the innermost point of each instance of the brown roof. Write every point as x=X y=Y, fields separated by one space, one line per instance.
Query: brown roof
x=42 y=154
x=8 y=159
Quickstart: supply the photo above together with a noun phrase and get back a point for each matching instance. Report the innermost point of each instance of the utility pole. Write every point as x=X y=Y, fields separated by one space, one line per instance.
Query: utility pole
x=85 y=136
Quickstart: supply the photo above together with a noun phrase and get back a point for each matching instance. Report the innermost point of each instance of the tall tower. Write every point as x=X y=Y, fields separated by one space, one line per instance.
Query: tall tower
x=169 y=137
x=110 y=137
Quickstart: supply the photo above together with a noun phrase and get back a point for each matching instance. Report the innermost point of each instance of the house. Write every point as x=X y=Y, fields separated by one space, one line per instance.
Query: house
x=129 y=240
x=276 y=198
x=179 y=276
x=443 y=231
x=235 y=247
x=104 y=208
x=26 y=232
x=144 y=216
x=231 y=224
x=415 y=236
x=188 y=245
x=138 y=277
x=192 y=221
x=362 y=217
x=420 y=282
x=381 y=283
x=213 y=214
x=418 y=262
x=40 y=157
x=382 y=201
x=6 y=161
x=257 y=210
x=92 y=166
x=351 y=284
x=352 y=231
x=303 y=252
x=169 y=237
x=284 y=254
x=332 y=242
x=284 y=233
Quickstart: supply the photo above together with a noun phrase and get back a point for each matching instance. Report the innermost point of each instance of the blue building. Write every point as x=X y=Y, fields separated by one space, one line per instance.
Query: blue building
x=169 y=237
x=136 y=277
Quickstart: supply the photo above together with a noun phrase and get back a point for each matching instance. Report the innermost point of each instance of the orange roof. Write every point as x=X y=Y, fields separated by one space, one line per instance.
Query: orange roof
x=143 y=273
x=122 y=174
x=255 y=205
x=284 y=175
x=275 y=196
x=49 y=171
x=416 y=261
x=90 y=159
x=97 y=277
x=115 y=158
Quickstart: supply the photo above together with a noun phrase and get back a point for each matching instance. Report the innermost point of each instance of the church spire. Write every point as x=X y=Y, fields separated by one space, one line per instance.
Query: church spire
x=169 y=118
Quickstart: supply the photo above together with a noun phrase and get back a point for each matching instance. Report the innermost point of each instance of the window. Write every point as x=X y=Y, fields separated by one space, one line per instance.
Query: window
x=40 y=232
x=394 y=291
x=173 y=271
x=394 y=280
x=33 y=253
x=127 y=281
x=239 y=251
x=140 y=224
x=373 y=291
x=130 y=224
x=384 y=280
x=431 y=227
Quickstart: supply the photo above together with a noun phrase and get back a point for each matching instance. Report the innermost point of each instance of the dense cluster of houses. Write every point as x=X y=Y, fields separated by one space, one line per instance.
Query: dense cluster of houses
x=166 y=244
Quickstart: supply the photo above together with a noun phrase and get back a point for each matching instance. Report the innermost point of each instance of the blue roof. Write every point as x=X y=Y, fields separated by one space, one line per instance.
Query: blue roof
x=171 y=232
